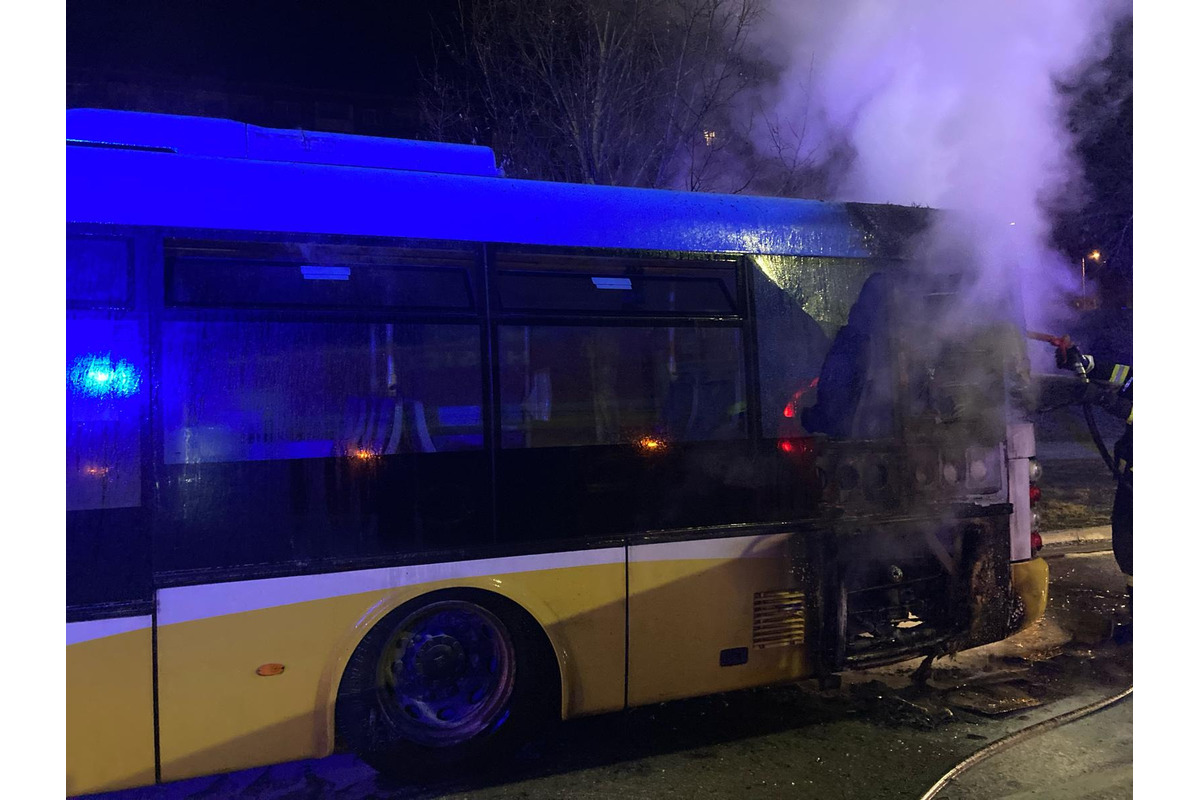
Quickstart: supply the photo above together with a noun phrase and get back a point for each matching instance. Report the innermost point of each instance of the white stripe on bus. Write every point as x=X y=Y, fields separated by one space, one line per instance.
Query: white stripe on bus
x=187 y=603
x=768 y=546
x=99 y=628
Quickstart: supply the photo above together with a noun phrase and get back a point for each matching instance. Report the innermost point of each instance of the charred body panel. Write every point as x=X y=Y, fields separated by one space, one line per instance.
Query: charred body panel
x=907 y=442
x=888 y=592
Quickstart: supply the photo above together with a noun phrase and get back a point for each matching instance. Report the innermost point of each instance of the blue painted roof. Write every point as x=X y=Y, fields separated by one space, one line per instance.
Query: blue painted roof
x=204 y=136
x=209 y=180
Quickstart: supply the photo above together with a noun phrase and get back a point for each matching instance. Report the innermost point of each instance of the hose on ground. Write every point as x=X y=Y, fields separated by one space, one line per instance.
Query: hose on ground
x=1020 y=736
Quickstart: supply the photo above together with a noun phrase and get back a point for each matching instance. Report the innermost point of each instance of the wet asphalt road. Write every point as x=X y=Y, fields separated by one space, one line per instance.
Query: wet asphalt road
x=876 y=737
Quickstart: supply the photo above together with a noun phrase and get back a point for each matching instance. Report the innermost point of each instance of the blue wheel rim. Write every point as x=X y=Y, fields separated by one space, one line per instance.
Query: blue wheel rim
x=447 y=674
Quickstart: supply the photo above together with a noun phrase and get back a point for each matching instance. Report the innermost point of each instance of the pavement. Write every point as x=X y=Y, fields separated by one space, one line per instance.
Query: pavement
x=1077 y=540
x=1090 y=758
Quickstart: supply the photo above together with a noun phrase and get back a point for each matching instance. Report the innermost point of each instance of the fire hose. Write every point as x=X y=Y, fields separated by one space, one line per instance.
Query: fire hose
x=1063 y=345
x=1021 y=735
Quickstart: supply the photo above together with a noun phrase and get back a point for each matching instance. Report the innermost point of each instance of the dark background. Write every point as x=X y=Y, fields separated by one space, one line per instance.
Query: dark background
x=359 y=67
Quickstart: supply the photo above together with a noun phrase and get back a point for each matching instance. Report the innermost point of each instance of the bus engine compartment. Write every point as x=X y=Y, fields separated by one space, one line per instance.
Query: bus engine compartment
x=884 y=593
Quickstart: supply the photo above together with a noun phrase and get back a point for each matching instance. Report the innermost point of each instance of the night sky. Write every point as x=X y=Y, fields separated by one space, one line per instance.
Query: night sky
x=321 y=45
x=379 y=47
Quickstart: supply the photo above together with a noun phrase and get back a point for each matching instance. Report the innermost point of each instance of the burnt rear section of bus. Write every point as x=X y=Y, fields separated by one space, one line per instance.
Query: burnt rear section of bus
x=885 y=592
x=906 y=427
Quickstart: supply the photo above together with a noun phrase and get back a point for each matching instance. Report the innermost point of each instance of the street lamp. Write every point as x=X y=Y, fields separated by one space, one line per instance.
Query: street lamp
x=1094 y=256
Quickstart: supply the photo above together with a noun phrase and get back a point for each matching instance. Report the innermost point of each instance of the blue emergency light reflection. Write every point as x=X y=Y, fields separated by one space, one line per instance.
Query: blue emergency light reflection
x=97 y=375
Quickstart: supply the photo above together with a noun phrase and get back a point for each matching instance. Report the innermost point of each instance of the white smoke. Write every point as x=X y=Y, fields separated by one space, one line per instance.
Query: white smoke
x=950 y=104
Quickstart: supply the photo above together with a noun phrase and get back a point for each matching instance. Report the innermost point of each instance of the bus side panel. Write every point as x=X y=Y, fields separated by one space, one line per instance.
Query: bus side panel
x=110 y=705
x=217 y=714
x=713 y=584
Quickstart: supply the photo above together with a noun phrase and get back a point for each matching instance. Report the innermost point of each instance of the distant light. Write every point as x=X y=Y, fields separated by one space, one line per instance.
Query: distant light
x=621 y=284
x=1012 y=223
x=1094 y=255
x=96 y=472
x=312 y=273
x=95 y=375
x=709 y=138
x=651 y=444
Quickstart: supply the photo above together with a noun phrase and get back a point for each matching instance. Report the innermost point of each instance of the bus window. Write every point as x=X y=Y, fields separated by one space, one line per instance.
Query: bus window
x=855 y=397
x=256 y=391
x=618 y=293
x=98 y=272
x=801 y=304
x=228 y=282
x=573 y=283
x=569 y=386
x=266 y=274
x=105 y=398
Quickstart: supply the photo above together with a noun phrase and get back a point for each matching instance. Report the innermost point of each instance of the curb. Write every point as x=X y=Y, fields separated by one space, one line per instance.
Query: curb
x=1077 y=540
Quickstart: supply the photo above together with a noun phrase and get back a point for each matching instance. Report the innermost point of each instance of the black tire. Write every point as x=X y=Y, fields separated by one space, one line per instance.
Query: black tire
x=454 y=678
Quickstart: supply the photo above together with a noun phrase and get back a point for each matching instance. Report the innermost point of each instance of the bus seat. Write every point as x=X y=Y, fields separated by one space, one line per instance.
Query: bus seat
x=421 y=429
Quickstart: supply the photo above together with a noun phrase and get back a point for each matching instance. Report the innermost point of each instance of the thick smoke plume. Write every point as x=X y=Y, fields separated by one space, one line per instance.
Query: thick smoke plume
x=952 y=105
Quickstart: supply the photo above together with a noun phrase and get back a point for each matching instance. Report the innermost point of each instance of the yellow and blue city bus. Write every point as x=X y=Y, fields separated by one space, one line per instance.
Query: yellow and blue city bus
x=369 y=447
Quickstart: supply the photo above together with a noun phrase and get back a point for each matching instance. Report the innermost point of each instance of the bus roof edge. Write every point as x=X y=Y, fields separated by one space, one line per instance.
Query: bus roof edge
x=222 y=138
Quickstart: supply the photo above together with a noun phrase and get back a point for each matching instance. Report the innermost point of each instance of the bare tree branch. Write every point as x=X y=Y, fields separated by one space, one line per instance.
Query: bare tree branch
x=630 y=92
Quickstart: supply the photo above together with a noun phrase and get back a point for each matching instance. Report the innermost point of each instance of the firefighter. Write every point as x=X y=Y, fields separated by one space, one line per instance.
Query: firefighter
x=1110 y=386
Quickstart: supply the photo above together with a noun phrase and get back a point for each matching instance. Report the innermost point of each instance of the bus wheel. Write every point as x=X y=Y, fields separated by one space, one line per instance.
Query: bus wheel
x=441 y=681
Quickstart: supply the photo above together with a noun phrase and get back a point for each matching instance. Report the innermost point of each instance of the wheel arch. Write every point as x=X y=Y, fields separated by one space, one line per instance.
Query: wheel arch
x=508 y=602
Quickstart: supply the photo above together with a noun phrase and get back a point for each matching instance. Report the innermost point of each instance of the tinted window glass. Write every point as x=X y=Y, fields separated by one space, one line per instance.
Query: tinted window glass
x=105 y=390
x=617 y=293
x=210 y=281
x=823 y=346
x=606 y=385
x=98 y=271
x=251 y=391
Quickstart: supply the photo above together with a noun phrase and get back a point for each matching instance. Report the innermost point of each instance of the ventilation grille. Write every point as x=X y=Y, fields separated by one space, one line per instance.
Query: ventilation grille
x=778 y=618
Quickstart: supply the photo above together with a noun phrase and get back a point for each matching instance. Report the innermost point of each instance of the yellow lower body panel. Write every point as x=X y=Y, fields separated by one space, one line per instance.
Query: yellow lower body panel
x=1031 y=582
x=683 y=612
x=110 y=711
x=217 y=714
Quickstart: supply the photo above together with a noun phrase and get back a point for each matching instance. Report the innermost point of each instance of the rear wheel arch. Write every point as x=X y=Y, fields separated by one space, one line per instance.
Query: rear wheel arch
x=537 y=692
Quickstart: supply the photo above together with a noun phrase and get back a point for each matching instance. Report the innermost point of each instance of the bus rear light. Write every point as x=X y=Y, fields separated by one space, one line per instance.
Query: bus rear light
x=1035 y=522
x=796 y=447
x=1035 y=494
x=1035 y=470
x=269 y=670
x=1035 y=541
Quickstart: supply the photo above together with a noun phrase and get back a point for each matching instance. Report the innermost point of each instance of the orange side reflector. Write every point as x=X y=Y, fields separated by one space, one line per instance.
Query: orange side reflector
x=267 y=670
